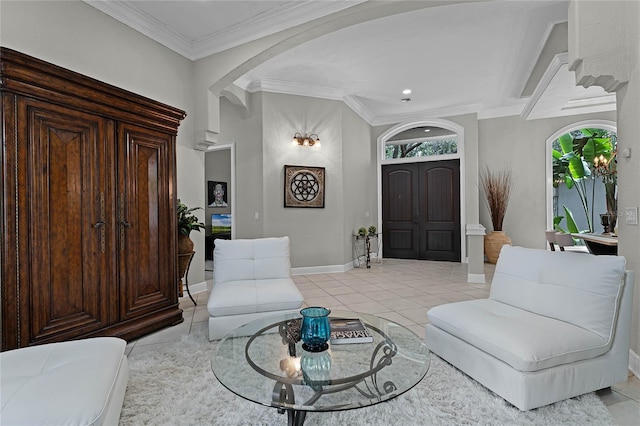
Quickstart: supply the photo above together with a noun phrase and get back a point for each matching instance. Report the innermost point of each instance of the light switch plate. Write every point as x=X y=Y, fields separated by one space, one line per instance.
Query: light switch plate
x=631 y=215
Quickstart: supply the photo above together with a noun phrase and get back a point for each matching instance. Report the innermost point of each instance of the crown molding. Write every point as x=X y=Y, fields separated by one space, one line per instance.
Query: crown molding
x=421 y=115
x=608 y=82
x=267 y=23
x=554 y=66
x=353 y=102
x=536 y=56
x=145 y=24
x=359 y=108
x=503 y=111
x=293 y=88
x=608 y=100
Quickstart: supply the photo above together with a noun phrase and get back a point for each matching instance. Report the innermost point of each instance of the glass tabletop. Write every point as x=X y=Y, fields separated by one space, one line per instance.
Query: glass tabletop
x=262 y=362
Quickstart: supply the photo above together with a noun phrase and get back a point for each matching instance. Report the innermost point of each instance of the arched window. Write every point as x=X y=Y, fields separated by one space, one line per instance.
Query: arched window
x=421 y=141
x=581 y=177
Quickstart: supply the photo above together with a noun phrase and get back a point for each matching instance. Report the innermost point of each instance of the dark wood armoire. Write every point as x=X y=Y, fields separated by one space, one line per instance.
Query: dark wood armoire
x=88 y=206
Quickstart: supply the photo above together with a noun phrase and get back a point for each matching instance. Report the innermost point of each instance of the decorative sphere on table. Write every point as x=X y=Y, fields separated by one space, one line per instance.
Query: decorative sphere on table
x=316 y=329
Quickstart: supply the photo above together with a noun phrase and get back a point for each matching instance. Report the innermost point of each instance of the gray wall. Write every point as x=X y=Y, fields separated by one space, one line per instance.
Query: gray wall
x=316 y=234
x=262 y=134
x=360 y=178
x=520 y=145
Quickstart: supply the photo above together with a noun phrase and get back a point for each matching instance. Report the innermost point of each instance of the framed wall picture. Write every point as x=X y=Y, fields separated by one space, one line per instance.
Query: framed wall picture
x=217 y=194
x=304 y=186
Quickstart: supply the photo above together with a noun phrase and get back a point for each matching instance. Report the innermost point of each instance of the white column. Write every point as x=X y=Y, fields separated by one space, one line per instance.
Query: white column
x=604 y=50
x=475 y=238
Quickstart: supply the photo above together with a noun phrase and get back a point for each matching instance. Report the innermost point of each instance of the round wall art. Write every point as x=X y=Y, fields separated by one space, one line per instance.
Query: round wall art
x=304 y=186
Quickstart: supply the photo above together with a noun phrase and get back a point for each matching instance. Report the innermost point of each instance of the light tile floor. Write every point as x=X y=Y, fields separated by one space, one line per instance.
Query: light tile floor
x=400 y=290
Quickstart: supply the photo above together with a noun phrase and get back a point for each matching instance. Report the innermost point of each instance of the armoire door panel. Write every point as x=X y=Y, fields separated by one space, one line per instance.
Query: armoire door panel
x=66 y=186
x=147 y=252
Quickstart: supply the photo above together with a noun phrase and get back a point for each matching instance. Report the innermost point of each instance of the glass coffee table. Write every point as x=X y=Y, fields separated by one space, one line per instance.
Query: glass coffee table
x=263 y=361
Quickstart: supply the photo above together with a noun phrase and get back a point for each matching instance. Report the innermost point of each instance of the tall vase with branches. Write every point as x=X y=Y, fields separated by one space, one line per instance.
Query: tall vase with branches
x=497 y=186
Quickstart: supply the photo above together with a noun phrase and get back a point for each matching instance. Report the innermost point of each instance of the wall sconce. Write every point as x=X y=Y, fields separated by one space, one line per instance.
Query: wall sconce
x=306 y=140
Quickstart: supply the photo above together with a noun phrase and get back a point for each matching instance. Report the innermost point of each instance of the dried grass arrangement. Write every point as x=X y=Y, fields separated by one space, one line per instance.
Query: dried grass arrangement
x=497 y=188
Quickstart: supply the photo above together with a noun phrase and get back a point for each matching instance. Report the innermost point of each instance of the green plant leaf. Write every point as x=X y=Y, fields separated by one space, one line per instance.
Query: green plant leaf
x=566 y=143
x=571 y=223
x=568 y=181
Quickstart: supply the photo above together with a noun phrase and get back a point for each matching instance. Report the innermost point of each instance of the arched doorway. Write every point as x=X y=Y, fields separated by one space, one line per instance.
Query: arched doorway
x=421 y=191
x=552 y=204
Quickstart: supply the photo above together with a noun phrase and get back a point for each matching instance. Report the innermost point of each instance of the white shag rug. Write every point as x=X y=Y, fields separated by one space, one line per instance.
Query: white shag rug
x=175 y=386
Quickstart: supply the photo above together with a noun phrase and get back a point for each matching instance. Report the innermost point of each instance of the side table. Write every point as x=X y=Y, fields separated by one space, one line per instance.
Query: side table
x=186 y=257
x=362 y=247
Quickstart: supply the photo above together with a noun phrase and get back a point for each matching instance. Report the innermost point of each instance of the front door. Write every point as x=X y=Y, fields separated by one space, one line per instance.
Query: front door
x=421 y=210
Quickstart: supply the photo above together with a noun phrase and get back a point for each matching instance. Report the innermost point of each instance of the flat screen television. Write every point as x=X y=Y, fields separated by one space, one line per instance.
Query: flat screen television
x=221 y=226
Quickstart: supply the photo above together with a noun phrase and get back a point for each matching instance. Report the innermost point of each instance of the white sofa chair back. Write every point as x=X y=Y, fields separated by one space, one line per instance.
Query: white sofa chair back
x=571 y=287
x=259 y=259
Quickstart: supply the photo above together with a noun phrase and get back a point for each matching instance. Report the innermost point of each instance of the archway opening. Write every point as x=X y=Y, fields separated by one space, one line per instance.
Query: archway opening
x=419 y=219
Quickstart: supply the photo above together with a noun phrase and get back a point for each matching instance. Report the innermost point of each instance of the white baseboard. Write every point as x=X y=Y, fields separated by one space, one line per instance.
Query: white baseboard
x=476 y=278
x=634 y=363
x=328 y=269
x=194 y=288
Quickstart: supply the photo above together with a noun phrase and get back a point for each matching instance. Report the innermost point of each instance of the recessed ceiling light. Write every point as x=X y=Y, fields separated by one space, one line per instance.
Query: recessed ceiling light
x=405 y=100
x=406 y=91
x=427 y=130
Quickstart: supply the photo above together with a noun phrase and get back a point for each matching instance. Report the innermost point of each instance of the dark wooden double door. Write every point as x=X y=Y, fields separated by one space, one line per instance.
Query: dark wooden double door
x=421 y=210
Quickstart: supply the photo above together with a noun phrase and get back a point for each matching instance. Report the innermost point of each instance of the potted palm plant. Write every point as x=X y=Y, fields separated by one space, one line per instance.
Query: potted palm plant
x=187 y=222
x=497 y=189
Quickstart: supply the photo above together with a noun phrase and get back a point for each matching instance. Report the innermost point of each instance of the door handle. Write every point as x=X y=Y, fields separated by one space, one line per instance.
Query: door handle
x=101 y=223
x=125 y=224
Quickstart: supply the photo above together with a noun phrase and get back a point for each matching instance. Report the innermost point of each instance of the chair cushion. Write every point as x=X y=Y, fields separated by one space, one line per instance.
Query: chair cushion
x=249 y=296
x=542 y=282
x=522 y=339
x=233 y=298
x=277 y=295
x=67 y=383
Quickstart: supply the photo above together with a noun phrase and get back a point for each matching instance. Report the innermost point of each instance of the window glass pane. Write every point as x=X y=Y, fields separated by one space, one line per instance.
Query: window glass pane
x=421 y=148
x=421 y=141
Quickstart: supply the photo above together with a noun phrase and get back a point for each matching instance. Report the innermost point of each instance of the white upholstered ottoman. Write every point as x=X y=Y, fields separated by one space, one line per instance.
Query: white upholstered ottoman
x=80 y=382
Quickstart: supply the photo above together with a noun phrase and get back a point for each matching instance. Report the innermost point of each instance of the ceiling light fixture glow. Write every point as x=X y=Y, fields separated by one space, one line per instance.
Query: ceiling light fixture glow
x=406 y=91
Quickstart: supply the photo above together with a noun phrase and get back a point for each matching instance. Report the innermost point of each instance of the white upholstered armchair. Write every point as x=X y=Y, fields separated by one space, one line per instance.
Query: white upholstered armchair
x=251 y=280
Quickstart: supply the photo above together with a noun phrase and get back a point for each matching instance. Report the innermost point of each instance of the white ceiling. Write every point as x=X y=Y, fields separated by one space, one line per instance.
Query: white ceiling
x=458 y=58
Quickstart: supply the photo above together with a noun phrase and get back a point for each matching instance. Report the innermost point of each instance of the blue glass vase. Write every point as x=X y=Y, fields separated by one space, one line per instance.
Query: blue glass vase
x=316 y=329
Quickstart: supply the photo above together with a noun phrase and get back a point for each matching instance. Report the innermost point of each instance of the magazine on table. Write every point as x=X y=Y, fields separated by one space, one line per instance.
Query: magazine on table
x=349 y=330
